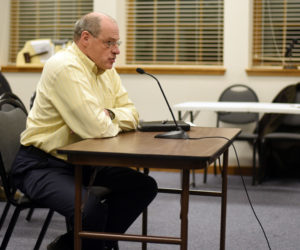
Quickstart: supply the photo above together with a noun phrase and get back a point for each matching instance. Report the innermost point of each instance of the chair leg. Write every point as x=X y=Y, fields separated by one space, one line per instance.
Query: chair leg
x=4 y=214
x=29 y=215
x=254 y=164
x=262 y=160
x=10 y=228
x=68 y=226
x=220 y=166
x=194 y=178
x=44 y=229
x=215 y=166
x=205 y=174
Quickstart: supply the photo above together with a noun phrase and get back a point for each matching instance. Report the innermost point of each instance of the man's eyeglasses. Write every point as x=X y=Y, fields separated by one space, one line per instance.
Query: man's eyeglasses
x=112 y=44
x=109 y=44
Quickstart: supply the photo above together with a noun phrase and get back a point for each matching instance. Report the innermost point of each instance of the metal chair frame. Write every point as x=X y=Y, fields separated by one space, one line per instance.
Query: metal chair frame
x=23 y=202
x=241 y=93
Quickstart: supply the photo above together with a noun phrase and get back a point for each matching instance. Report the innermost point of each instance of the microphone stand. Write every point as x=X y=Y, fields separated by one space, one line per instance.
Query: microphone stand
x=179 y=133
x=288 y=54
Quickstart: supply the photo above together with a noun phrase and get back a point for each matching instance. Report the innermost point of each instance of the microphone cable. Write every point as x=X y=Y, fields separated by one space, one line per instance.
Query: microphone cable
x=243 y=181
x=184 y=136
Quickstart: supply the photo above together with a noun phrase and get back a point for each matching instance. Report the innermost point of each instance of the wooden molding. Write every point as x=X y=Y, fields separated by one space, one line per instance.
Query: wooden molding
x=173 y=70
x=272 y=72
x=29 y=69
x=180 y=70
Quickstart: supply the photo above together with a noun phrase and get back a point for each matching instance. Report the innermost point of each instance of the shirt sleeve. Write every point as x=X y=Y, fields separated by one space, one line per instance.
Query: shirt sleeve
x=126 y=115
x=73 y=97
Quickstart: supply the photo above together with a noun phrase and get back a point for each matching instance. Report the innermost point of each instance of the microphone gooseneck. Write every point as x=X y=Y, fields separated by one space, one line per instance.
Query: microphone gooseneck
x=179 y=133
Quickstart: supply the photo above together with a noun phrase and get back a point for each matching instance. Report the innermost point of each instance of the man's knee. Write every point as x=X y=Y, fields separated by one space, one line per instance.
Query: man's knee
x=149 y=188
x=95 y=214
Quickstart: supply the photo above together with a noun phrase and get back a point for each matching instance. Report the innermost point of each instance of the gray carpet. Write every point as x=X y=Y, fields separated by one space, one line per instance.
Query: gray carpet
x=276 y=203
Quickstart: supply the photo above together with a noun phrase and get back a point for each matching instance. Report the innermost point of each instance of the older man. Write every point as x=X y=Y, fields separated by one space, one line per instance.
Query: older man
x=80 y=96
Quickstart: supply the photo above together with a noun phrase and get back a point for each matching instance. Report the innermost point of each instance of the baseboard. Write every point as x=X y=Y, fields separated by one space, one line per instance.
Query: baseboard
x=232 y=170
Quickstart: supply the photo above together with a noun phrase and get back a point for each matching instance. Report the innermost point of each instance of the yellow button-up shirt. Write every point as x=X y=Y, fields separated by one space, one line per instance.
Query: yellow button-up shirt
x=70 y=100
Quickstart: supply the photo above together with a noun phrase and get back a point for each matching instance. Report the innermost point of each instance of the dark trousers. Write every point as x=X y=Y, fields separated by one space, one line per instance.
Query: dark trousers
x=50 y=182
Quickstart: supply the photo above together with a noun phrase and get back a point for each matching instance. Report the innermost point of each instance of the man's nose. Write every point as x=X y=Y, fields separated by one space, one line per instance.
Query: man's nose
x=116 y=50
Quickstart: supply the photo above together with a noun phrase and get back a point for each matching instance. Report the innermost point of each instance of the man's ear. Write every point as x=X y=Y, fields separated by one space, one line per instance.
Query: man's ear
x=85 y=36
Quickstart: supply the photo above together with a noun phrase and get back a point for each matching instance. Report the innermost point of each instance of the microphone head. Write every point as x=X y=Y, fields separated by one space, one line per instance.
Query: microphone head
x=139 y=70
x=295 y=40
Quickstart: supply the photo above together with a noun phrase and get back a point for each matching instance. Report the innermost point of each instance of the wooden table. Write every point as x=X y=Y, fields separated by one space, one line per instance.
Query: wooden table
x=142 y=150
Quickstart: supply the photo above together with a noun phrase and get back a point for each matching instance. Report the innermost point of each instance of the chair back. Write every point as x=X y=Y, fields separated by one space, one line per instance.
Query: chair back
x=292 y=120
x=13 y=97
x=12 y=123
x=4 y=85
x=237 y=93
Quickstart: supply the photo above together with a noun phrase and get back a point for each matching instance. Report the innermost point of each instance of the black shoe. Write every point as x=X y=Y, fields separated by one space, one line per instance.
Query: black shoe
x=63 y=242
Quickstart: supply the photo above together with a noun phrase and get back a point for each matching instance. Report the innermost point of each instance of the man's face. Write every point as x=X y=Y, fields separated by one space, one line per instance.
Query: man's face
x=103 y=50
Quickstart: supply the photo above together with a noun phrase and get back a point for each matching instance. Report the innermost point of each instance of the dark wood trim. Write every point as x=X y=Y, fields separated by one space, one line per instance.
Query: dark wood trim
x=25 y=69
x=179 y=70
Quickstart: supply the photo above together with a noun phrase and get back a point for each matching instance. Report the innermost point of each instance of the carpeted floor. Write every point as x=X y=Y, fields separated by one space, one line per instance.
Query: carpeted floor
x=276 y=202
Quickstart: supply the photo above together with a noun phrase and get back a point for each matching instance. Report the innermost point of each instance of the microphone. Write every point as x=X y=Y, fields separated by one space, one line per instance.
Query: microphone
x=179 y=133
x=290 y=48
x=288 y=54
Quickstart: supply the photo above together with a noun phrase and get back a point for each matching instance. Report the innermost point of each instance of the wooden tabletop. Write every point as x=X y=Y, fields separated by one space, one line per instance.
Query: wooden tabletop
x=141 y=149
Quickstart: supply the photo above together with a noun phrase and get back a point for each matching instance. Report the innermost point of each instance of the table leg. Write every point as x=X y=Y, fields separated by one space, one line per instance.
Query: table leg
x=224 y=200
x=144 y=233
x=191 y=116
x=145 y=218
x=184 y=208
x=77 y=216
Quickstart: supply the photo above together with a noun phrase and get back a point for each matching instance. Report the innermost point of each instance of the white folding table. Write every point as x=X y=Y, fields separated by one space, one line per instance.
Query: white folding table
x=194 y=108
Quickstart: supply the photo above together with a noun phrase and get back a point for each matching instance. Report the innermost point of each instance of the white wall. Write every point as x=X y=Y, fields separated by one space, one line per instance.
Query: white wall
x=4 y=29
x=179 y=88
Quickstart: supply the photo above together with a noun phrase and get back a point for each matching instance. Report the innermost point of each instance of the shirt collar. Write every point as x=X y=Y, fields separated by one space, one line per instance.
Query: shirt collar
x=87 y=61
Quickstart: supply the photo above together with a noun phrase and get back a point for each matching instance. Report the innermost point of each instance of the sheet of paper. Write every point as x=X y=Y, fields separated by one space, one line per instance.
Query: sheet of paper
x=41 y=46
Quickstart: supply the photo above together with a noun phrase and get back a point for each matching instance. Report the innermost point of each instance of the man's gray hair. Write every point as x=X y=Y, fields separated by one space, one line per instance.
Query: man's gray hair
x=90 y=23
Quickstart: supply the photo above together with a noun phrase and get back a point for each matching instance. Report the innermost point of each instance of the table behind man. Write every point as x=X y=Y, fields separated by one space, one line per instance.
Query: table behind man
x=80 y=96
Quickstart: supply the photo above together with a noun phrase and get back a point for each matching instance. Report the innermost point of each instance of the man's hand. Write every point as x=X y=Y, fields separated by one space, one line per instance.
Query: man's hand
x=109 y=113
x=106 y=112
